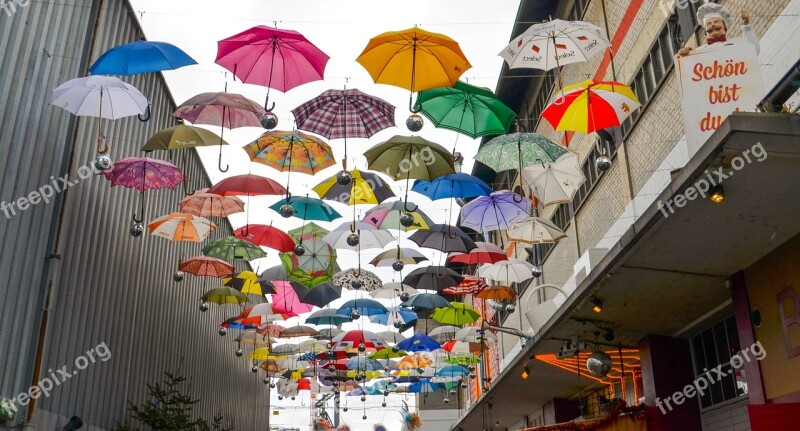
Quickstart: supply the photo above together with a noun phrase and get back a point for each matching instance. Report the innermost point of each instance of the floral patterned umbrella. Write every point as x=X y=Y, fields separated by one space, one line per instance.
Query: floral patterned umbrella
x=232 y=248
x=291 y=151
x=205 y=266
x=143 y=173
x=205 y=204
x=314 y=266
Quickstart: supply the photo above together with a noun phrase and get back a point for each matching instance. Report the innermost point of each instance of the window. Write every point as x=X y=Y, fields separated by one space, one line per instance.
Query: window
x=714 y=348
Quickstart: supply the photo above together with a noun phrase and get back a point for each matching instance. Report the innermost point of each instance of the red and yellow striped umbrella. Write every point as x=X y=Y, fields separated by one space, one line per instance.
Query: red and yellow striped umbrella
x=182 y=227
x=591 y=106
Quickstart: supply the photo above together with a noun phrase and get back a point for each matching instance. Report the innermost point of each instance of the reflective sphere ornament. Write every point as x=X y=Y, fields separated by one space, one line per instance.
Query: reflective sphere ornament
x=453 y=391
x=266 y=380
x=355 y=315
x=204 y=307
x=356 y=283
x=254 y=369
x=364 y=417
x=603 y=163
x=292 y=397
x=239 y=353
x=536 y=271
x=362 y=347
x=446 y=400
x=344 y=178
x=363 y=398
x=352 y=240
x=471 y=368
x=269 y=120
x=398 y=265
x=103 y=163
x=407 y=220
x=404 y=296
x=510 y=308
x=272 y=385
x=599 y=364
x=299 y=249
x=280 y=397
x=222 y=332
x=472 y=375
x=178 y=276
x=397 y=324
x=137 y=229
x=344 y=409
x=385 y=393
x=383 y=404
x=286 y=211
x=414 y=123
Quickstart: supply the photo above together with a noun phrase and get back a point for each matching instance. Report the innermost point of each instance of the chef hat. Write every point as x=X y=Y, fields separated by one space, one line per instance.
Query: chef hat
x=709 y=11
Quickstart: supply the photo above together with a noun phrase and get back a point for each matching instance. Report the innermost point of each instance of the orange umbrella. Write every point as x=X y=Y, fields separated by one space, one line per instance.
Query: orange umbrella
x=182 y=227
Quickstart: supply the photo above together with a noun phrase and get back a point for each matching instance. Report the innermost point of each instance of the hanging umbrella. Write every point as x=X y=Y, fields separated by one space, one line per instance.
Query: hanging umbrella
x=204 y=204
x=418 y=342
x=433 y=278
x=247 y=185
x=307 y=208
x=364 y=364
x=144 y=174
x=365 y=236
x=259 y=315
x=403 y=157
x=365 y=280
x=498 y=293
x=458 y=186
x=444 y=238
x=364 y=306
x=408 y=256
x=182 y=227
x=328 y=333
x=247 y=282
x=321 y=295
x=290 y=152
x=387 y=216
x=456 y=347
x=313 y=345
x=413 y=59
x=473 y=111
x=591 y=106
x=556 y=182
x=226 y=110
x=253 y=338
x=204 y=266
x=484 y=252
x=287 y=301
x=443 y=334
x=394 y=317
x=100 y=96
x=344 y=113
x=388 y=353
x=390 y=337
x=427 y=301
x=457 y=314
x=308 y=231
x=535 y=230
x=470 y=285
x=270 y=329
x=232 y=248
x=553 y=44
x=180 y=137
x=327 y=316
x=425 y=386
x=518 y=150
x=140 y=57
x=298 y=331
x=266 y=236
x=224 y=295
x=508 y=271
x=473 y=334
x=272 y=57
x=497 y=211
x=393 y=290
x=351 y=339
x=364 y=188
x=314 y=266
x=416 y=361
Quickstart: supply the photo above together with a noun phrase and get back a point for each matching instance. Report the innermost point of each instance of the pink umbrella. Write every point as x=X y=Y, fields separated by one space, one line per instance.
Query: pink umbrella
x=286 y=300
x=143 y=174
x=274 y=58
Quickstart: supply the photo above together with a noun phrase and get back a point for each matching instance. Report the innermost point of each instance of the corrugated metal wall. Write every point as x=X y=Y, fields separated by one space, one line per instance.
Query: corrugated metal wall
x=107 y=287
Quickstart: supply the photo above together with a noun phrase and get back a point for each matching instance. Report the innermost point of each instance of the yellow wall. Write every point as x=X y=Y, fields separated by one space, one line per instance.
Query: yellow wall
x=765 y=280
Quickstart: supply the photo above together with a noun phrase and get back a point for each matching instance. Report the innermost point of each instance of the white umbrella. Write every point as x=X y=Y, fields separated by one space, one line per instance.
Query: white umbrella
x=313 y=346
x=368 y=236
x=443 y=334
x=100 y=96
x=391 y=336
x=254 y=338
x=182 y=227
x=393 y=290
x=555 y=43
x=556 y=182
x=285 y=349
x=535 y=230
x=507 y=271
x=472 y=334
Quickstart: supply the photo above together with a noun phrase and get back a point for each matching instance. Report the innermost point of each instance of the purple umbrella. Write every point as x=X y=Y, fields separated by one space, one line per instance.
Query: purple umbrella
x=497 y=211
x=144 y=174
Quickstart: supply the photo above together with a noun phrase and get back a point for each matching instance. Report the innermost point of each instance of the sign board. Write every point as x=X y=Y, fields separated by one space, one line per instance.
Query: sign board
x=715 y=81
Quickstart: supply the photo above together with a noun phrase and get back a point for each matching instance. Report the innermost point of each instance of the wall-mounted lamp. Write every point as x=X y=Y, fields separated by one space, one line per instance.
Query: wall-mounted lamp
x=597 y=305
x=525 y=373
x=717 y=194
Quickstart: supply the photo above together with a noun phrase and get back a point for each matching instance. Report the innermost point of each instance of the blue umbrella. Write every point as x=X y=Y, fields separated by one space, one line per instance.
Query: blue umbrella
x=497 y=211
x=366 y=307
x=327 y=316
x=452 y=371
x=308 y=208
x=428 y=301
x=364 y=364
x=140 y=57
x=393 y=315
x=419 y=342
x=425 y=386
x=459 y=185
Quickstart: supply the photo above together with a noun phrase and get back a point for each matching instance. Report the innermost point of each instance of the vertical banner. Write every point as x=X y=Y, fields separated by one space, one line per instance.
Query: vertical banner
x=715 y=81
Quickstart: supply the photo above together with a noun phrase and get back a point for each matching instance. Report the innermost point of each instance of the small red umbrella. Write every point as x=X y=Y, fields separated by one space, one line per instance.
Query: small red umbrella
x=485 y=253
x=247 y=185
x=266 y=236
x=205 y=266
x=469 y=286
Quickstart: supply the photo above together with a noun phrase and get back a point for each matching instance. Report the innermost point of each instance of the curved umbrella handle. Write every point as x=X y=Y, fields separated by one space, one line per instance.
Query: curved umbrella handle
x=521 y=195
x=450 y=233
x=266 y=103
x=186 y=187
x=410 y=210
x=246 y=230
x=148 y=114
x=104 y=149
x=219 y=166
x=137 y=219
x=353 y=227
x=411 y=106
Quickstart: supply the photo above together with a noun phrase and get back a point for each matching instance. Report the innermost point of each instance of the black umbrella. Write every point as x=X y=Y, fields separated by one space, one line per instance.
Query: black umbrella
x=432 y=277
x=444 y=238
x=320 y=295
x=427 y=301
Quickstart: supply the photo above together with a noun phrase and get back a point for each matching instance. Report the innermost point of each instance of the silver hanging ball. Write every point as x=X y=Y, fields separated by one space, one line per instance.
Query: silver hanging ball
x=355 y=315
x=286 y=211
x=266 y=380
x=332 y=368
x=603 y=163
x=464 y=385
x=398 y=265
x=395 y=349
x=536 y=271
x=353 y=240
x=344 y=178
x=292 y=397
x=383 y=404
x=356 y=283
x=103 y=163
x=178 y=276
x=414 y=122
x=364 y=417
x=269 y=120
x=254 y=369
x=272 y=385
x=222 y=332
x=363 y=398
x=204 y=307
x=471 y=368
x=397 y=324
x=299 y=249
x=599 y=364
x=385 y=393
x=280 y=397
x=407 y=220
x=510 y=308
x=446 y=400
x=362 y=347
x=404 y=296
x=239 y=353
x=453 y=391
x=472 y=375
x=137 y=229
x=344 y=409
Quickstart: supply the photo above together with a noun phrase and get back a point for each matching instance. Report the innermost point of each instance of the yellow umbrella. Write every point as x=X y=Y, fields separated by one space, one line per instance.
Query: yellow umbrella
x=182 y=227
x=591 y=106
x=245 y=282
x=263 y=354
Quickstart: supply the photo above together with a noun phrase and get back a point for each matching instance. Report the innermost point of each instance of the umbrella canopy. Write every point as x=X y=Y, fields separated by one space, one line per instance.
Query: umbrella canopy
x=408 y=256
x=473 y=334
x=591 y=106
x=394 y=317
x=248 y=282
x=308 y=208
x=351 y=339
x=205 y=204
x=328 y=333
x=204 y=266
x=418 y=342
x=555 y=43
x=345 y=114
x=224 y=295
x=403 y=157
x=365 y=280
x=444 y=238
x=387 y=216
x=327 y=316
x=555 y=182
x=286 y=300
x=100 y=96
x=464 y=348
x=247 y=185
x=365 y=188
x=321 y=295
x=518 y=150
x=414 y=59
x=416 y=361
x=269 y=329
x=427 y=301
x=497 y=211
x=144 y=173
x=535 y=230
x=228 y=110
x=433 y=278
x=508 y=271
x=298 y=331
x=443 y=334
x=470 y=285
x=292 y=151
x=232 y=248
x=253 y=338
x=459 y=186
x=473 y=111
x=314 y=266
x=365 y=306
x=393 y=290
x=181 y=136
x=364 y=364
x=484 y=252
x=389 y=337
x=140 y=57
x=272 y=57
x=266 y=236
x=259 y=314
x=368 y=236
x=498 y=293
x=457 y=314
x=182 y=227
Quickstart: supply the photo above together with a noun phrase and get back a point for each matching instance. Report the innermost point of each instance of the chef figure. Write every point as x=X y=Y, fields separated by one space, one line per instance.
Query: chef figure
x=717 y=20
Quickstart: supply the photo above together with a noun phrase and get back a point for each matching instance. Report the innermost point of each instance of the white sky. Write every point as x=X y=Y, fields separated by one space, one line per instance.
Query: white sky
x=341 y=29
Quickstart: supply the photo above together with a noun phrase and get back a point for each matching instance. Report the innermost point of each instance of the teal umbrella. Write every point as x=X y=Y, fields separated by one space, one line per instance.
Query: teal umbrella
x=306 y=208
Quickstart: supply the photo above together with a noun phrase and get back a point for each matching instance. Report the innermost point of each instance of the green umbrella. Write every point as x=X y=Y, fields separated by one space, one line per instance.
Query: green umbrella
x=518 y=150
x=224 y=295
x=467 y=109
x=403 y=157
x=181 y=136
x=457 y=314
x=308 y=231
x=232 y=248
x=388 y=353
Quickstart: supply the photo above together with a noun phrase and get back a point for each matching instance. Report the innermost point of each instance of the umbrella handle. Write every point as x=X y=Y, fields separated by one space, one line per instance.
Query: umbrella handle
x=148 y=114
x=450 y=233
x=410 y=210
x=186 y=187
x=219 y=166
x=266 y=103
x=521 y=195
x=411 y=106
x=137 y=219
x=104 y=149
